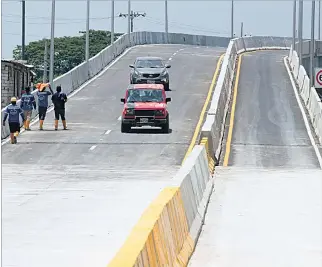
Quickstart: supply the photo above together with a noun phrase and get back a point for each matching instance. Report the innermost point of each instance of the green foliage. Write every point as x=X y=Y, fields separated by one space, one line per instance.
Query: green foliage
x=69 y=51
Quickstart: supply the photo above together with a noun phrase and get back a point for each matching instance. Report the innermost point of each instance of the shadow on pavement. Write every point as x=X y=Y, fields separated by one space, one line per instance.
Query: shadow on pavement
x=148 y=131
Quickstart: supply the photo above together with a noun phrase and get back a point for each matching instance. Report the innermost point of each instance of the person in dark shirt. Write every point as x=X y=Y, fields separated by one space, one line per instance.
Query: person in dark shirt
x=27 y=103
x=42 y=95
x=13 y=111
x=59 y=99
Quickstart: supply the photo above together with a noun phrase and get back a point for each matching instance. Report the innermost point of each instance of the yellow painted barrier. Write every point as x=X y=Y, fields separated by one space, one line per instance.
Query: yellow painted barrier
x=161 y=237
x=211 y=162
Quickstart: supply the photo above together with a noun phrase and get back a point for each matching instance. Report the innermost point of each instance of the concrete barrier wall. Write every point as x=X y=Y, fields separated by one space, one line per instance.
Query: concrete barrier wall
x=168 y=230
x=308 y=93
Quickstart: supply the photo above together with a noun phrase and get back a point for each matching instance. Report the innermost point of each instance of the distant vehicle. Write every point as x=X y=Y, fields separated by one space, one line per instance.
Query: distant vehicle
x=150 y=70
x=145 y=104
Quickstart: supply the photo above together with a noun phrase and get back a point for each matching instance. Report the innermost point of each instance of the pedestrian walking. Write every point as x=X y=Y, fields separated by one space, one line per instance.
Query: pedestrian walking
x=59 y=99
x=43 y=101
x=13 y=111
x=27 y=103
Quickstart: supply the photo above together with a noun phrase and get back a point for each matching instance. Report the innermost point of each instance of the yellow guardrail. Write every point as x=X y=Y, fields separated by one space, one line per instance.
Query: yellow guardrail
x=211 y=161
x=161 y=237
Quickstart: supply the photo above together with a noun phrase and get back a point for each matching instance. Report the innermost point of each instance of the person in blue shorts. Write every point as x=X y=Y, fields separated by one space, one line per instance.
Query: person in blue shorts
x=13 y=111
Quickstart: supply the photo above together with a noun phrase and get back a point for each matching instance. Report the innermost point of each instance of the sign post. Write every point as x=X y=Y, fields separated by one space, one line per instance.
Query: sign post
x=318 y=78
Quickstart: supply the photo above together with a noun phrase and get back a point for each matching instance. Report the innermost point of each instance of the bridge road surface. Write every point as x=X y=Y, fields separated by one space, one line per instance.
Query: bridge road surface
x=266 y=208
x=70 y=198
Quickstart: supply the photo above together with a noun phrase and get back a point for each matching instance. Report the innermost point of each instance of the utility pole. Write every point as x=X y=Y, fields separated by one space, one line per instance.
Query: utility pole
x=294 y=24
x=132 y=16
x=319 y=33
x=87 y=33
x=300 y=31
x=166 y=20
x=129 y=17
x=112 y=22
x=52 y=36
x=45 y=63
x=241 y=29
x=232 y=19
x=23 y=30
x=312 y=43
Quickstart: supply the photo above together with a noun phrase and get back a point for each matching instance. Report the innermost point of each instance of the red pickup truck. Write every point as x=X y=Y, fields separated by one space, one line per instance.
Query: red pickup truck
x=145 y=104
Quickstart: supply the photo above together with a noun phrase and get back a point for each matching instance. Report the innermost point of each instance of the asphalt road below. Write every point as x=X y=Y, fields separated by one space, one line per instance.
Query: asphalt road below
x=269 y=129
x=79 y=192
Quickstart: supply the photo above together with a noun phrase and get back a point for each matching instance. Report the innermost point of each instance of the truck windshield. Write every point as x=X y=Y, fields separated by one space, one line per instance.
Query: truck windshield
x=145 y=95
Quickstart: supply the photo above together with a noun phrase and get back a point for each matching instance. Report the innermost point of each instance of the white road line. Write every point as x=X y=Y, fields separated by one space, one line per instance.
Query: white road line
x=170 y=58
x=307 y=125
x=174 y=54
x=119 y=118
x=92 y=147
x=108 y=131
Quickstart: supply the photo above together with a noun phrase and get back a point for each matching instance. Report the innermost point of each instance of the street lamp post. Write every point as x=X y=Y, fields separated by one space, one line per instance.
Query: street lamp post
x=52 y=36
x=87 y=33
x=294 y=24
x=232 y=19
x=319 y=26
x=129 y=17
x=312 y=43
x=300 y=31
x=112 y=22
x=166 y=19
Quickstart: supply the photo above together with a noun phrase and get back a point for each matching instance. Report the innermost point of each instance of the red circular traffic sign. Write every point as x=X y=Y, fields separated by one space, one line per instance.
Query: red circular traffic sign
x=318 y=77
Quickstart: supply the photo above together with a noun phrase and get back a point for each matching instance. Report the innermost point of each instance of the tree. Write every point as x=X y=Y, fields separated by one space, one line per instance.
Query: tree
x=69 y=51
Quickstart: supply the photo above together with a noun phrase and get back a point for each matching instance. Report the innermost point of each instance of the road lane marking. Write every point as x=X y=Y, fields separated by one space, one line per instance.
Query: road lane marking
x=170 y=58
x=306 y=122
x=203 y=111
x=232 y=116
x=119 y=118
x=108 y=131
x=92 y=147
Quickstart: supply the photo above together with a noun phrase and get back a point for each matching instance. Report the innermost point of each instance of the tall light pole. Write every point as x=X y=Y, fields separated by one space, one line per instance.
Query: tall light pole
x=87 y=33
x=129 y=17
x=294 y=24
x=166 y=19
x=23 y=30
x=52 y=36
x=232 y=19
x=45 y=63
x=312 y=43
x=300 y=31
x=112 y=22
x=319 y=31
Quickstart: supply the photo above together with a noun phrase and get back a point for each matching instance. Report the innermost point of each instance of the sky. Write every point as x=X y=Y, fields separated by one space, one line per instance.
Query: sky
x=195 y=17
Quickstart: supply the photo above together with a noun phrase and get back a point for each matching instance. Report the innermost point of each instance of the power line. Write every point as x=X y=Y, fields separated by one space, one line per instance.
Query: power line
x=187 y=26
x=32 y=23
x=132 y=16
x=12 y=33
x=63 y=19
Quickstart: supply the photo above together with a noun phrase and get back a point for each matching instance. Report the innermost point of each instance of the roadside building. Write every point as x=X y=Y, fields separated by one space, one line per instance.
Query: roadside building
x=15 y=76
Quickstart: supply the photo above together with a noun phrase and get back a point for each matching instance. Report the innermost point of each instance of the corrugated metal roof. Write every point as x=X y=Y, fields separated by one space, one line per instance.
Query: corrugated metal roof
x=20 y=62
